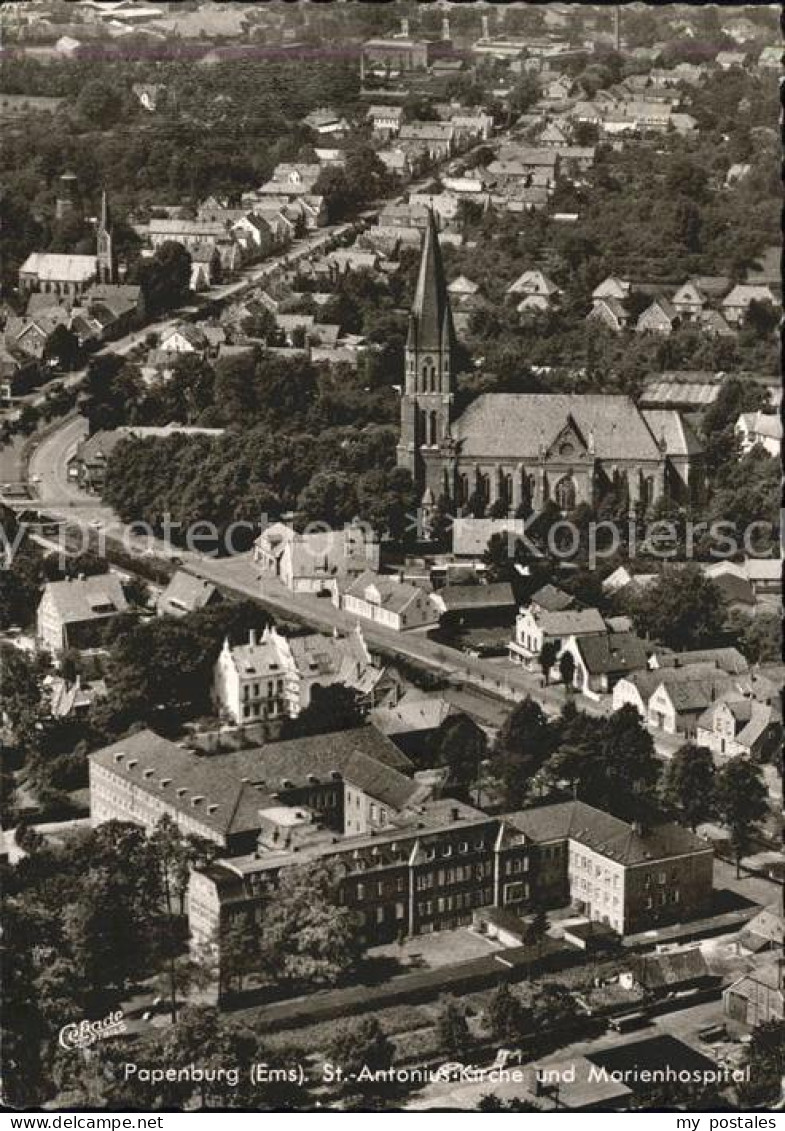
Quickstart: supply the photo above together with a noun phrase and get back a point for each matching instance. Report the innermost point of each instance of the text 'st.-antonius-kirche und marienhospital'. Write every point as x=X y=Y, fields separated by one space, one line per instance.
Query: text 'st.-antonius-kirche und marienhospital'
x=524 y=449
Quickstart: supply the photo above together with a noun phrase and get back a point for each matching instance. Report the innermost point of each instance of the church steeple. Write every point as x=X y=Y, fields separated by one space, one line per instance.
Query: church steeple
x=426 y=403
x=105 y=244
x=430 y=324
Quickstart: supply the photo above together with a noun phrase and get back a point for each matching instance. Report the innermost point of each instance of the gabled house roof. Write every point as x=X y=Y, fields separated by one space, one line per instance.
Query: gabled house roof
x=395 y=596
x=552 y=600
x=667 y=971
x=83 y=599
x=186 y=593
x=613 y=653
x=608 y=835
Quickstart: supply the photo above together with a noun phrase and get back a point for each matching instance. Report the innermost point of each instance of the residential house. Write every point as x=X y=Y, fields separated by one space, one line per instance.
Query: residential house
x=186 y=594
x=609 y=312
x=682 y=695
x=760 y=428
x=771 y=58
x=737 y=727
x=28 y=338
x=689 y=300
x=537 y=290
x=18 y=374
x=714 y=325
x=556 y=88
x=273 y=676
x=725 y=60
x=386 y=601
x=612 y=287
x=553 y=136
x=57 y=274
x=385 y=120
x=464 y=605
x=122 y=304
x=314 y=563
x=75 y=613
x=758 y=996
x=326 y=123
x=736 y=304
x=414 y=721
x=660 y=317
x=536 y=627
x=72 y=699
x=602 y=660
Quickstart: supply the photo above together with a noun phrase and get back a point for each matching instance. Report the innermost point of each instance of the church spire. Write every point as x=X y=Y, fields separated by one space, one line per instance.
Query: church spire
x=107 y=268
x=431 y=324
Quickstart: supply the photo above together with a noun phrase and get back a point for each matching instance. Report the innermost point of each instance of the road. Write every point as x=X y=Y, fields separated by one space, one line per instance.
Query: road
x=683 y=1024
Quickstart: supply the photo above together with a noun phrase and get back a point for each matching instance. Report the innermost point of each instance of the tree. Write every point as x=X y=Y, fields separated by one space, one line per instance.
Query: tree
x=547 y=658
x=239 y=948
x=522 y=746
x=100 y=103
x=506 y=1016
x=689 y=783
x=460 y=745
x=683 y=609
x=62 y=347
x=567 y=669
x=741 y=803
x=20 y=693
x=336 y=707
x=308 y=936
x=452 y=1028
x=165 y=278
x=538 y=930
x=361 y=1048
x=766 y=1060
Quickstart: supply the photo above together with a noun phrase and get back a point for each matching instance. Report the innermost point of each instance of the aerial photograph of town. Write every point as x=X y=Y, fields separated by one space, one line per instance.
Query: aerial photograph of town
x=390 y=570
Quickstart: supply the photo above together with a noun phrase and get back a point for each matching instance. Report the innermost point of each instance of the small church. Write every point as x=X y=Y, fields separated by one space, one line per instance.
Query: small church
x=525 y=449
x=68 y=276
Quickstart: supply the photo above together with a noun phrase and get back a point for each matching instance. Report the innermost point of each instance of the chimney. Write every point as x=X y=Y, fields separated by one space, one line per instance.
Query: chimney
x=486 y=28
x=446 y=28
x=252 y=637
x=404 y=26
x=455 y=813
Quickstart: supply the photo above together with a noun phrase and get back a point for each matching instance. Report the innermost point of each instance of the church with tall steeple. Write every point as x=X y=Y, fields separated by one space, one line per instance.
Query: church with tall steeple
x=516 y=452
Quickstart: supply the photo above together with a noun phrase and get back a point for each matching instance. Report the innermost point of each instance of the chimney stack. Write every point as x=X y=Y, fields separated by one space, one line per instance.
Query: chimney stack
x=252 y=637
x=404 y=26
x=446 y=28
x=486 y=28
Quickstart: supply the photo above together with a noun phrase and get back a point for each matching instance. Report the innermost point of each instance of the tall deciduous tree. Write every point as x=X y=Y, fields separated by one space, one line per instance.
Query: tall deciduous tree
x=308 y=936
x=740 y=797
x=460 y=745
x=688 y=783
x=524 y=743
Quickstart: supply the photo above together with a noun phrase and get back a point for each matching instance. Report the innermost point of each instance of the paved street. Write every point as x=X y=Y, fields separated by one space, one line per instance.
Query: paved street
x=683 y=1024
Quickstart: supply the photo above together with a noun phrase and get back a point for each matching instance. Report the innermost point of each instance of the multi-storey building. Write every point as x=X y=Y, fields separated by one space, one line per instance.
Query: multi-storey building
x=273 y=677
x=411 y=862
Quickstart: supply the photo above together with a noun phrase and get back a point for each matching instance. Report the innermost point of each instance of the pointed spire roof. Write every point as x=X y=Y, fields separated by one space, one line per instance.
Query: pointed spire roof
x=430 y=324
x=105 y=218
